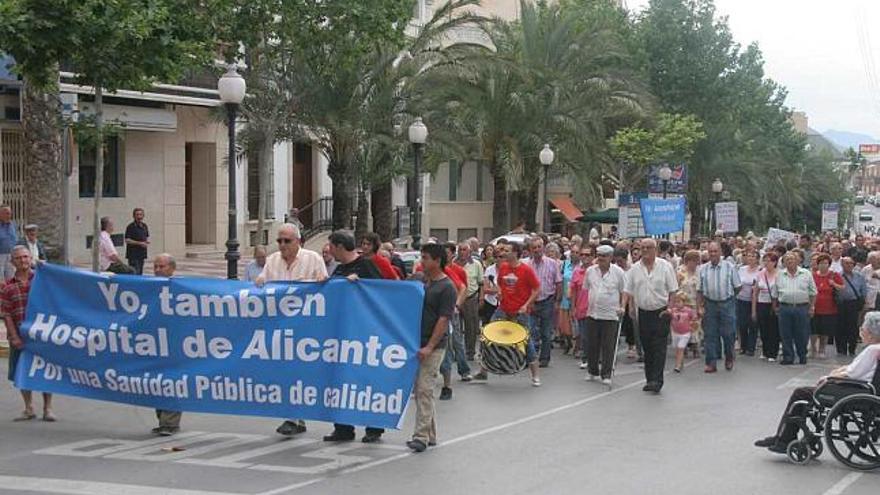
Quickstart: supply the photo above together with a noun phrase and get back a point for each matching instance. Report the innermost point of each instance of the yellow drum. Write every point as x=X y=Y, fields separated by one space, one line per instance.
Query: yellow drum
x=503 y=347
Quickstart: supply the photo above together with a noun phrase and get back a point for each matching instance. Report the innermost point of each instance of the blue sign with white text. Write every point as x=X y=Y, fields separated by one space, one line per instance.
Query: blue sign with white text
x=335 y=351
x=663 y=216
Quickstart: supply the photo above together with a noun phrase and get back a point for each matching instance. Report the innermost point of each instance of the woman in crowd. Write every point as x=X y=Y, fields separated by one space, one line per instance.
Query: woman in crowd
x=687 y=283
x=747 y=326
x=570 y=262
x=824 y=322
x=762 y=307
x=490 y=284
x=488 y=256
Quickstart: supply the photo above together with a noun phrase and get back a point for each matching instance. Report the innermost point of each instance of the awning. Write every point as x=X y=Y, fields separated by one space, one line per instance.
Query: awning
x=567 y=207
x=605 y=216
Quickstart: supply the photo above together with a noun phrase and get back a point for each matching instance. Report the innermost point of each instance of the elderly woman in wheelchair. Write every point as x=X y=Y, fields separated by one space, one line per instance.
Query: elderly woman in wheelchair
x=843 y=408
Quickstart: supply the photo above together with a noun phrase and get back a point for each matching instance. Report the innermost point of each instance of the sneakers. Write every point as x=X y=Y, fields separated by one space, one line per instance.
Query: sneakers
x=290 y=428
x=583 y=366
x=467 y=377
x=536 y=382
x=445 y=393
x=591 y=378
x=480 y=377
x=606 y=381
x=417 y=445
x=771 y=360
x=338 y=436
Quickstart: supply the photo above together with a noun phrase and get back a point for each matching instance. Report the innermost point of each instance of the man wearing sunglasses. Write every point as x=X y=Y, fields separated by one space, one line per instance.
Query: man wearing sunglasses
x=292 y=263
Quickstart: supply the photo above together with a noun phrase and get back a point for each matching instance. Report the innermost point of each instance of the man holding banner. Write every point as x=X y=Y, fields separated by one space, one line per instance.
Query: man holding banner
x=439 y=307
x=13 y=302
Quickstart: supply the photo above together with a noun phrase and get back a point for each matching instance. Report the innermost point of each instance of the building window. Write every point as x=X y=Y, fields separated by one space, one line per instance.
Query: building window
x=112 y=170
x=465 y=234
x=442 y=235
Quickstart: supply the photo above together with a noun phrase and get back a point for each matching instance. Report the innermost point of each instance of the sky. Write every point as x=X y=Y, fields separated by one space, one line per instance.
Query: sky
x=814 y=49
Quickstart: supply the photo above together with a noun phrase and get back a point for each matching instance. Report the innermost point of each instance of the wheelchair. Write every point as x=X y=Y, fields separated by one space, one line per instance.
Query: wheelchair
x=846 y=415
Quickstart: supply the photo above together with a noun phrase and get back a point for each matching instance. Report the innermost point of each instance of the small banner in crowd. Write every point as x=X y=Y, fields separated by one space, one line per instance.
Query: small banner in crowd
x=830 y=216
x=336 y=351
x=727 y=216
x=663 y=216
x=774 y=236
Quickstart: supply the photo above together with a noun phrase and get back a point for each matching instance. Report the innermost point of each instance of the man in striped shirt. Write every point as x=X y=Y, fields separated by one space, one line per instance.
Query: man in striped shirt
x=543 y=313
x=717 y=283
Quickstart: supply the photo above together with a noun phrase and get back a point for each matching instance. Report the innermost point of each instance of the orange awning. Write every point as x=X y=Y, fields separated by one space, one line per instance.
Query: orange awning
x=567 y=207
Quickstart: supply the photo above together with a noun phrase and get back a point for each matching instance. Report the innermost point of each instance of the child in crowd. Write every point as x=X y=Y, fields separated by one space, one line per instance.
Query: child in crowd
x=684 y=320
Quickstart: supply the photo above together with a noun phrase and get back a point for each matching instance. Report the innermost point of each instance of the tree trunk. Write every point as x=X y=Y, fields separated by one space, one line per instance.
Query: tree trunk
x=380 y=205
x=362 y=226
x=337 y=170
x=499 y=200
x=44 y=166
x=529 y=207
x=99 y=173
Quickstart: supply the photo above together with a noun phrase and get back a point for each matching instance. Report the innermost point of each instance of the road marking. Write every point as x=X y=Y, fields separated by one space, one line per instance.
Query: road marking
x=75 y=487
x=234 y=460
x=843 y=484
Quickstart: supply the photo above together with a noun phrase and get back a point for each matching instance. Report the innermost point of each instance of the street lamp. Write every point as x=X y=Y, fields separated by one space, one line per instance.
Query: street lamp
x=232 y=90
x=665 y=174
x=546 y=157
x=717 y=188
x=418 y=134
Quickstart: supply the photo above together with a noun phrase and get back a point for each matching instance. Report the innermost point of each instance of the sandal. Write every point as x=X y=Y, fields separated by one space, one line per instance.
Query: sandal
x=26 y=416
x=49 y=417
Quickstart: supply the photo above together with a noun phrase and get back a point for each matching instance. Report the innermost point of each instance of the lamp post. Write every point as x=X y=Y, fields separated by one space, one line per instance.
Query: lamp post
x=232 y=90
x=717 y=188
x=546 y=157
x=418 y=134
x=665 y=174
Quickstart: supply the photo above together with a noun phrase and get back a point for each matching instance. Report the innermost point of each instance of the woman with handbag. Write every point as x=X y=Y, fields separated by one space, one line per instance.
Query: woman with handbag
x=850 y=301
x=824 y=322
x=762 y=307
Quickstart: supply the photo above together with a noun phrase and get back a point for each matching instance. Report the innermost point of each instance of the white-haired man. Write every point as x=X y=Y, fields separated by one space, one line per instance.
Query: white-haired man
x=292 y=263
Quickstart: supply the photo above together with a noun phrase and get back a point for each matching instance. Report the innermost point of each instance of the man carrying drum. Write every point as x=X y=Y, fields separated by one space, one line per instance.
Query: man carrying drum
x=518 y=287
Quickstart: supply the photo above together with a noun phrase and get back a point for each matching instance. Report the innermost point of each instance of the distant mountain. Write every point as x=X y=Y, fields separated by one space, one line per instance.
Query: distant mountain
x=846 y=139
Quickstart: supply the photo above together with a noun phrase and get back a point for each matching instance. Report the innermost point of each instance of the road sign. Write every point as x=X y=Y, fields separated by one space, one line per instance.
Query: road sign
x=629 y=222
x=727 y=216
x=630 y=198
x=830 y=216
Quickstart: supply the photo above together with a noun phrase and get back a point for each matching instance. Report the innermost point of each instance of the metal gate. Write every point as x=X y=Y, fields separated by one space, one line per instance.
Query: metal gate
x=12 y=173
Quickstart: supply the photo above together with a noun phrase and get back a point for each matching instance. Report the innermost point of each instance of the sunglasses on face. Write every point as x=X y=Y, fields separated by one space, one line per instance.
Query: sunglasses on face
x=282 y=240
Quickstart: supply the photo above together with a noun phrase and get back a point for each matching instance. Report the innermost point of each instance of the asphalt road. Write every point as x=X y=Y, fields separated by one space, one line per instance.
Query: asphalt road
x=568 y=436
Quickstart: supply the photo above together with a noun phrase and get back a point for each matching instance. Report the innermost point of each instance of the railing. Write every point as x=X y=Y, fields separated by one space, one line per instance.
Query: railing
x=316 y=217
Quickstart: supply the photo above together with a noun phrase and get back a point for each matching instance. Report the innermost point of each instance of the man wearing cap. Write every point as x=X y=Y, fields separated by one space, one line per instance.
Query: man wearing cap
x=606 y=282
x=34 y=245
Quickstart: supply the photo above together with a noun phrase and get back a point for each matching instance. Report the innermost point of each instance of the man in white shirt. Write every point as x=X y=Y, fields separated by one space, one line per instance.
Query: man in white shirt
x=871 y=271
x=606 y=282
x=292 y=263
x=862 y=368
x=650 y=284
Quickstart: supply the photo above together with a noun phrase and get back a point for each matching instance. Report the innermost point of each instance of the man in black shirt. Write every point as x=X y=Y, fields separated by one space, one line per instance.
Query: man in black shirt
x=353 y=267
x=137 y=238
x=440 y=297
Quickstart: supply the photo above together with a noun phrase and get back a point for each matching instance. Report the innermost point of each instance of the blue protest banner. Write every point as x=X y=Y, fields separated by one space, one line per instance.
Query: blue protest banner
x=335 y=351
x=663 y=216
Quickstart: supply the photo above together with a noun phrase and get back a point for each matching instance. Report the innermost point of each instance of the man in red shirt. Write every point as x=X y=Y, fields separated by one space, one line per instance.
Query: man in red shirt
x=518 y=287
x=370 y=244
x=13 y=302
x=455 y=350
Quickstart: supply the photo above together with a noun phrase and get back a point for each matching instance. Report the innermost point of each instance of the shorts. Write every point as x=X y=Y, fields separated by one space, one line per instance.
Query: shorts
x=13 y=362
x=680 y=340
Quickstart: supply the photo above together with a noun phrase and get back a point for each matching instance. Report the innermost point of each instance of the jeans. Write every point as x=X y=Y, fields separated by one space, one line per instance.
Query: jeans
x=543 y=323
x=769 y=325
x=719 y=326
x=470 y=319
x=601 y=344
x=531 y=354
x=746 y=326
x=455 y=349
x=654 y=332
x=794 y=328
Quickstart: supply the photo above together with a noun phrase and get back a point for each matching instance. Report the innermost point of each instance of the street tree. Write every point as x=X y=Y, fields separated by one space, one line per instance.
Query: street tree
x=108 y=45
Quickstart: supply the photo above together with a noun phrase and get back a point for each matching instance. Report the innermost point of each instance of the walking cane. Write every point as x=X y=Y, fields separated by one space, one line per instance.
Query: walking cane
x=616 y=344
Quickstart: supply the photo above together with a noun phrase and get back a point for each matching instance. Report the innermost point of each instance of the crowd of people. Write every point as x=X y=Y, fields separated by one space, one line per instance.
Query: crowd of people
x=719 y=298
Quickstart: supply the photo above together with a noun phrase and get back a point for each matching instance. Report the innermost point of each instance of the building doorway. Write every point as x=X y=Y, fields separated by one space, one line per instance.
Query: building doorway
x=201 y=193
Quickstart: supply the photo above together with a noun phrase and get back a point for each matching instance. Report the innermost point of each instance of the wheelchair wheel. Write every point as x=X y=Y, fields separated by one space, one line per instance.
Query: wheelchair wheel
x=799 y=452
x=852 y=431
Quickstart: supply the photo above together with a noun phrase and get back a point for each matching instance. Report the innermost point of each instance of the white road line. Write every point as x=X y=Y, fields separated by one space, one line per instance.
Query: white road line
x=75 y=487
x=843 y=484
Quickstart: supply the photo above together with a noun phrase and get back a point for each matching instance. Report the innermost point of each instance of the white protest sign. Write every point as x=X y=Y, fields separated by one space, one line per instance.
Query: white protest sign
x=629 y=222
x=775 y=235
x=830 y=216
x=727 y=215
